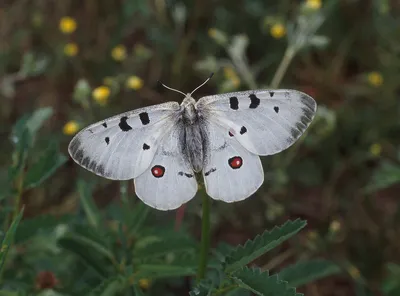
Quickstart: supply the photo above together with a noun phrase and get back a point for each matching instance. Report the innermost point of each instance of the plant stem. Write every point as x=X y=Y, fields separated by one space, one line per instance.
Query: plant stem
x=283 y=66
x=205 y=238
x=20 y=189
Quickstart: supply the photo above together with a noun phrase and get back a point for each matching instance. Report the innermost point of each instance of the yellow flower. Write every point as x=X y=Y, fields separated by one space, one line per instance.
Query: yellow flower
x=134 y=82
x=354 y=272
x=70 y=128
x=375 y=79
x=278 y=31
x=71 y=49
x=144 y=284
x=334 y=226
x=314 y=4
x=118 y=53
x=375 y=149
x=100 y=94
x=67 y=25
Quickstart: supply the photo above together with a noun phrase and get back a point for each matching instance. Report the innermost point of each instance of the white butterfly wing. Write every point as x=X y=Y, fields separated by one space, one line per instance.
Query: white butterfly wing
x=231 y=173
x=122 y=147
x=265 y=122
x=170 y=181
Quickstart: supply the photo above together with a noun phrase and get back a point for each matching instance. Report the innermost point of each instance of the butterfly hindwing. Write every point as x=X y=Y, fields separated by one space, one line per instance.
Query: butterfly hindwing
x=122 y=147
x=169 y=181
x=231 y=173
x=265 y=122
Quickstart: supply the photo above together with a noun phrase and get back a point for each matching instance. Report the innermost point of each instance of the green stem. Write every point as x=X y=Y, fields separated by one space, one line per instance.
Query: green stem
x=283 y=66
x=20 y=189
x=205 y=238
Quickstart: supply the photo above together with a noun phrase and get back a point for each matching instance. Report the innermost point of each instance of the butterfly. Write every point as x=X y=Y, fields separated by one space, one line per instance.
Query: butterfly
x=163 y=146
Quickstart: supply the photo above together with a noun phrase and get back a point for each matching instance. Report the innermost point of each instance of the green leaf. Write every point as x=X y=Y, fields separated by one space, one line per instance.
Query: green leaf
x=109 y=287
x=204 y=288
x=36 y=120
x=164 y=247
x=29 y=227
x=8 y=239
x=46 y=166
x=253 y=249
x=305 y=272
x=261 y=283
x=88 y=205
x=153 y=271
x=90 y=248
x=138 y=217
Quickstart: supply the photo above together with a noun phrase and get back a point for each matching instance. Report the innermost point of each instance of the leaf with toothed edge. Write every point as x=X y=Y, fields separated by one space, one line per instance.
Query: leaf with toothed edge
x=253 y=249
x=262 y=284
x=304 y=272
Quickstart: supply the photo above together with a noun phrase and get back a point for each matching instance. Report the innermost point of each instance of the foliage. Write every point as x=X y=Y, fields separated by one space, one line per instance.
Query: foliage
x=67 y=232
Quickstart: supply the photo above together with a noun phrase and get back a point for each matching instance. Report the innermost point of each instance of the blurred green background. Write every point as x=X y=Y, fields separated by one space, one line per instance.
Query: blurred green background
x=67 y=64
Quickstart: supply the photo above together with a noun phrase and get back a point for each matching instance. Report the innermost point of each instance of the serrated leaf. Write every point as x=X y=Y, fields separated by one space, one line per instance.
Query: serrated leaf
x=91 y=211
x=46 y=166
x=253 y=249
x=8 y=239
x=109 y=287
x=262 y=284
x=305 y=272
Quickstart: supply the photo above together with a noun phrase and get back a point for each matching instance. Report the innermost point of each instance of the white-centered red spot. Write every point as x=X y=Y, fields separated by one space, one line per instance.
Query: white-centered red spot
x=158 y=171
x=235 y=162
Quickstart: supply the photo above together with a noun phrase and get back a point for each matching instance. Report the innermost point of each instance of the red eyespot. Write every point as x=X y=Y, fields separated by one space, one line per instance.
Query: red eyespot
x=230 y=134
x=235 y=162
x=158 y=171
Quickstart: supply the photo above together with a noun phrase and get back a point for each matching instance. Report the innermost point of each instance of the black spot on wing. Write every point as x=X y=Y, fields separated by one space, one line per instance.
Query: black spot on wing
x=146 y=147
x=104 y=124
x=144 y=118
x=234 y=103
x=212 y=170
x=271 y=94
x=107 y=139
x=243 y=130
x=276 y=109
x=254 y=101
x=123 y=125
x=187 y=175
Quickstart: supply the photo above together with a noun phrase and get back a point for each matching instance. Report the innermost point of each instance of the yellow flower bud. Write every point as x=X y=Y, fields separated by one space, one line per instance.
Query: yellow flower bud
x=118 y=53
x=70 y=128
x=71 y=49
x=67 y=25
x=278 y=31
x=314 y=4
x=101 y=94
x=375 y=79
x=134 y=82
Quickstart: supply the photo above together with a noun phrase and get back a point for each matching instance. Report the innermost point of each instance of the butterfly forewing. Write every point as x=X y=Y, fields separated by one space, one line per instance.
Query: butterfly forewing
x=265 y=122
x=122 y=147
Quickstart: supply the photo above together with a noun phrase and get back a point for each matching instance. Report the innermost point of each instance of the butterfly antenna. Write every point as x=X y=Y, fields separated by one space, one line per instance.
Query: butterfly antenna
x=170 y=88
x=202 y=83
